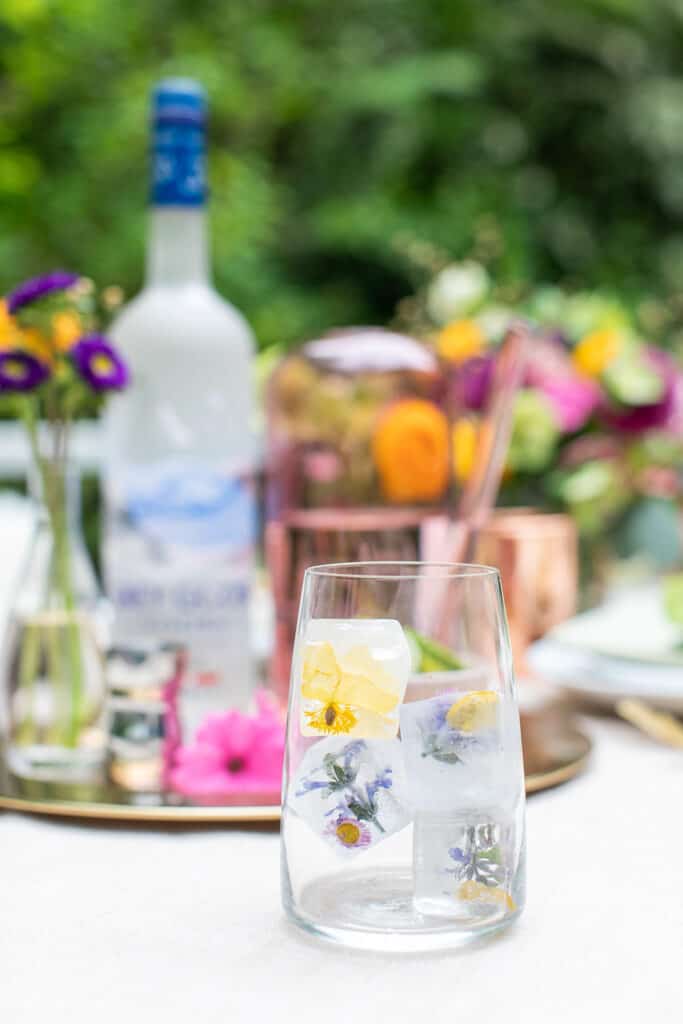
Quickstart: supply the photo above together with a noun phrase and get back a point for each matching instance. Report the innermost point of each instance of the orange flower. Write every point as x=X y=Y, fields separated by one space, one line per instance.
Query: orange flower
x=461 y=340
x=410 y=448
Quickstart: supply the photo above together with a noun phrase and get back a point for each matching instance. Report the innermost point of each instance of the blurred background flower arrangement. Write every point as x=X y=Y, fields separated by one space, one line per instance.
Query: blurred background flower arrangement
x=598 y=423
x=539 y=142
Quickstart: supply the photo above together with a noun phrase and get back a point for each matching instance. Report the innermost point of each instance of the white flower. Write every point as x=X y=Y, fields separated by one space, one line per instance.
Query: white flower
x=456 y=290
x=494 y=322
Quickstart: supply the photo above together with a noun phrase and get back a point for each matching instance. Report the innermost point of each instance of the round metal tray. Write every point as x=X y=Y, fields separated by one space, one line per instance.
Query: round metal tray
x=554 y=752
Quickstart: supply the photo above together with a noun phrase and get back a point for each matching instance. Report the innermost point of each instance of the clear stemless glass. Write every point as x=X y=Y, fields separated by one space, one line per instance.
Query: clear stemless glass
x=403 y=800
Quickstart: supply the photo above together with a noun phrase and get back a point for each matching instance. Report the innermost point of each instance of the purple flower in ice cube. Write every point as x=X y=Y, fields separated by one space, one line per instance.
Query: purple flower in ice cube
x=383 y=781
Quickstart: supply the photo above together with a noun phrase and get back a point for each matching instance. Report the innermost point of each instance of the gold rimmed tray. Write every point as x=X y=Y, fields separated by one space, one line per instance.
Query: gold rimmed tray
x=555 y=751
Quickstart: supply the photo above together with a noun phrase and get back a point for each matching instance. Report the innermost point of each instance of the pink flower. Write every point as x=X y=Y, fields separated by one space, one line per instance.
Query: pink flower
x=234 y=754
x=573 y=400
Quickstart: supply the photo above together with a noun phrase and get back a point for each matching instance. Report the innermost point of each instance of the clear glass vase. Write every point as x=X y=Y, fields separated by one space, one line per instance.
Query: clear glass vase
x=53 y=664
x=403 y=800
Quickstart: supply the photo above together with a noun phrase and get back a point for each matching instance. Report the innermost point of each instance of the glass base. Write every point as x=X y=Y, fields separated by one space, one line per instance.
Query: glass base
x=55 y=763
x=376 y=910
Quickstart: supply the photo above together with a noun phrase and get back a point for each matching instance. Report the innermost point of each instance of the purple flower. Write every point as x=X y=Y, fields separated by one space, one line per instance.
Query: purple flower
x=37 y=287
x=474 y=381
x=20 y=371
x=383 y=781
x=460 y=856
x=667 y=412
x=99 y=364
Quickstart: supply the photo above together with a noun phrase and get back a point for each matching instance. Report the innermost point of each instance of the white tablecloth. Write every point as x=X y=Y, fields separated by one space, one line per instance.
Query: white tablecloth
x=109 y=924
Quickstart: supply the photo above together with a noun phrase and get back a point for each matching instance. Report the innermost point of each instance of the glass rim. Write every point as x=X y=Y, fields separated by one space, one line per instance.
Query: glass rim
x=434 y=570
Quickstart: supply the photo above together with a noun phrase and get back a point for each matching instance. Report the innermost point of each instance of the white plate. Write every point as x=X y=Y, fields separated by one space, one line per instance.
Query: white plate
x=605 y=680
x=632 y=627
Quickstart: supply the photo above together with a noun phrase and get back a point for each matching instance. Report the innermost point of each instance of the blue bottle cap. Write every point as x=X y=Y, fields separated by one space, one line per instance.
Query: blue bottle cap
x=178 y=159
x=179 y=101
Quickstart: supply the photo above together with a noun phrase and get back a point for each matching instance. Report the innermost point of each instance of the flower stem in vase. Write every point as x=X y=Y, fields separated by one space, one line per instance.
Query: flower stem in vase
x=29 y=656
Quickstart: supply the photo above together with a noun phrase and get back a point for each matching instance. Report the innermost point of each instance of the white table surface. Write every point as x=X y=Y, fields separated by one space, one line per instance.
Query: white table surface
x=109 y=924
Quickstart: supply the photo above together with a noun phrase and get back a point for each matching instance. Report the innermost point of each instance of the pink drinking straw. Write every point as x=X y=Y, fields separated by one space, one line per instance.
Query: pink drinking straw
x=455 y=539
x=481 y=491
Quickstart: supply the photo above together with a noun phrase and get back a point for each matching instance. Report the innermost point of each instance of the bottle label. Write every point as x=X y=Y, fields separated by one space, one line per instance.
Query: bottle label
x=178 y=165
x=179 y=556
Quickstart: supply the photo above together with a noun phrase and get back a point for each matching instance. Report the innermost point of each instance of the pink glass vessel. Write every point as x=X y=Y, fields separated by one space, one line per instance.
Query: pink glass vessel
x=342 y=411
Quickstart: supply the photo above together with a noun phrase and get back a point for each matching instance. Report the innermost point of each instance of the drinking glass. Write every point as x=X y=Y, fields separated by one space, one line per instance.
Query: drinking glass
x=403 y=800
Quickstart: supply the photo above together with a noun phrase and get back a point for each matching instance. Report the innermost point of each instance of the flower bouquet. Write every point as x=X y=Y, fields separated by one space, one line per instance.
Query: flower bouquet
x=53 y=367
x=356 y=419
x=598 y=424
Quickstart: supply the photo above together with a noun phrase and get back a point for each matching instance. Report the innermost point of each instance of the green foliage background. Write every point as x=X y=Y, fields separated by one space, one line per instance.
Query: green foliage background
x=542 y=136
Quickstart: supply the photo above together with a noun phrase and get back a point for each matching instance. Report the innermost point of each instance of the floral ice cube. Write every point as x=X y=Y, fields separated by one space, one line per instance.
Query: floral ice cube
x=467 y=865
x=352 y=792
x=352 y=675
x=453 y=750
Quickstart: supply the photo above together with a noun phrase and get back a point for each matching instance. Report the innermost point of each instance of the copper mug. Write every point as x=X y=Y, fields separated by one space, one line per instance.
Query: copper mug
x=537 y=555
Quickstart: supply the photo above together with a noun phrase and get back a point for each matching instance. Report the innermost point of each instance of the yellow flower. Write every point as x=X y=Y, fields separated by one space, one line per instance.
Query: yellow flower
x=23 y=339
x=9 y=329
x=596 y=351
x=349 y=833
x=473 y=712
x=351 y=694
x=464 y=448
x=410 y=449
x=31 y=340
x=461 y=340
x=480 y=893
x=332 y=718
x=66 y=330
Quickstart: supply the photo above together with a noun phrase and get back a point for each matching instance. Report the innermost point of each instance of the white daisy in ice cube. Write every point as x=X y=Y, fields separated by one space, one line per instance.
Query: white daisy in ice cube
x=353 y=676
x=352 y=792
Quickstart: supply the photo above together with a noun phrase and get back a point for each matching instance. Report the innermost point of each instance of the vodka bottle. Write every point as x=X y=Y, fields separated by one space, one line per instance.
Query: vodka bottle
x=179 y=520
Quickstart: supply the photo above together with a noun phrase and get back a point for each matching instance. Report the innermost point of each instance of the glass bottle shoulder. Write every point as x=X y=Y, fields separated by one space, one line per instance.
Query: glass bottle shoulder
x=177 y=321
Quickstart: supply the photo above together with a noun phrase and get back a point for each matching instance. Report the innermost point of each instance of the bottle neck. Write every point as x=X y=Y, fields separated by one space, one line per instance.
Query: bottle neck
x=177 y=251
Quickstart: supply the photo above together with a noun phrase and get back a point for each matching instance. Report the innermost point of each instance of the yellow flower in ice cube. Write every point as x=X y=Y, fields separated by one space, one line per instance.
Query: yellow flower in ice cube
x=351 y=693
x=477 y=892
x=474 y=712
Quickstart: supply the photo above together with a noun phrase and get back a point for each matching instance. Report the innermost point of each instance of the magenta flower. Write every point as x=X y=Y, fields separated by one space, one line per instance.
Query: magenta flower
x=473 y=381
x=573 y=400
x=38 y=287
x=666 y=413
x=234 y=754
x=20 y=371
x=99 y=364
